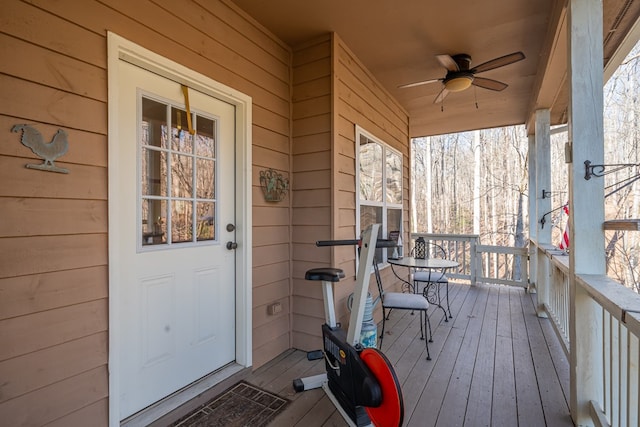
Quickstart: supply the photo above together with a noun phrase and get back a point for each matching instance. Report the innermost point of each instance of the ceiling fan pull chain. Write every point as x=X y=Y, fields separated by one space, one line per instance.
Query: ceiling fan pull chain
x=475 y=95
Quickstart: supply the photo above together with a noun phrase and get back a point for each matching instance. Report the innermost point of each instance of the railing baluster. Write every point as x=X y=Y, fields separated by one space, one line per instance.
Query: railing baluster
x=634 y=380
x=607 y=383
x=621 y=356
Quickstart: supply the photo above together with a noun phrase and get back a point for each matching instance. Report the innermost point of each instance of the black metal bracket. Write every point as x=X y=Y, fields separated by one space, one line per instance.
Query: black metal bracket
x=547 y=194
x=599 y=170
x=543 y=219
x=590 y=170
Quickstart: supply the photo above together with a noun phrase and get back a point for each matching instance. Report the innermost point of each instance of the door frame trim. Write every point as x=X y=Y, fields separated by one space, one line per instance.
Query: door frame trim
x=119 y=48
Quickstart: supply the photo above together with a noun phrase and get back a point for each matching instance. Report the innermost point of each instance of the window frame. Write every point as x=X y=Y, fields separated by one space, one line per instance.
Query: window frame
x=384 y=204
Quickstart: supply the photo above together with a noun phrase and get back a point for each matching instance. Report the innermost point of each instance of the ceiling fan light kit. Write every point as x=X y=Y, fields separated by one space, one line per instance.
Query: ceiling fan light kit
x=460 y=76
x=459 y=82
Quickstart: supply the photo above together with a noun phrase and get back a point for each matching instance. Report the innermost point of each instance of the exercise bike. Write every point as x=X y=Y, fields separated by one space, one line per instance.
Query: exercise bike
x=359 y=381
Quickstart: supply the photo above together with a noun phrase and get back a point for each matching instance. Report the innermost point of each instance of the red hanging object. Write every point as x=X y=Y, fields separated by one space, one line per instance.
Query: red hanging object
x=564 y=243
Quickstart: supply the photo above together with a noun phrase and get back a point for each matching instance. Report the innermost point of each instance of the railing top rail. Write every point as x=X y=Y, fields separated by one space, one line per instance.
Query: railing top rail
x=621 y=302
x=559 y=258
x=444 y=236
x=502 y=249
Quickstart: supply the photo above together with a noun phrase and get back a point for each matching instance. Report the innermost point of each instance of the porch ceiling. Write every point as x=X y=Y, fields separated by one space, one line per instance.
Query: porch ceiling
x=398 y=41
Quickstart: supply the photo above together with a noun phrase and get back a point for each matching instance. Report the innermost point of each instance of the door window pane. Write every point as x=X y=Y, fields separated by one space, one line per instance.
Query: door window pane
x=181 y=176
x=154 y=123
x=154 y=222
x=181 y=221
x=181 y=139
x=206 y=220
x=154 y=172
x=205 y=178
x=205 y=137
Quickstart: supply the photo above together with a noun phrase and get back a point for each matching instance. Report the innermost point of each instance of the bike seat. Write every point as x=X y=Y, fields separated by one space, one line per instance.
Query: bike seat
x=326 y=274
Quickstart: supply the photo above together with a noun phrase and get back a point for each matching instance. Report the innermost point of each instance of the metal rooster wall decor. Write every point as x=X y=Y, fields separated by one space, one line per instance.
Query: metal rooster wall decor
x=48 y=151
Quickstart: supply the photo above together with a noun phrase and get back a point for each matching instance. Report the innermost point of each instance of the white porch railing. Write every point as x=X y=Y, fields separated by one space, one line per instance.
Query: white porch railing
x=619 y=307
x=484 y=263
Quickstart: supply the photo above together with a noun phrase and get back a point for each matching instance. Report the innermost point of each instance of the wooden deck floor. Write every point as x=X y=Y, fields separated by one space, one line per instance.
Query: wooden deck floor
x=494 y=364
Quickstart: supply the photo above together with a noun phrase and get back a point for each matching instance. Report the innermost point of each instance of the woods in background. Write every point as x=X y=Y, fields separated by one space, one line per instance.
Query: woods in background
x=477 y=182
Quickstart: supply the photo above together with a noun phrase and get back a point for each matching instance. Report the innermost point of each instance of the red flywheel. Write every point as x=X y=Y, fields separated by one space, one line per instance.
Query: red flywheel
x=390 y=413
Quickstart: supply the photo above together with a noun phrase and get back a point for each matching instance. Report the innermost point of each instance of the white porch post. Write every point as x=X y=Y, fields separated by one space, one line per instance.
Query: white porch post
x=533 y=228
x=586 y=206
x=543 y=205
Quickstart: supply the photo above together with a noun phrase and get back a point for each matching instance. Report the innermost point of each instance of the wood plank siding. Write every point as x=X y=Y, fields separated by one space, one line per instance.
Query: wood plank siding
x=53 y=233
x=312 y=206
x=360 y=100
x=332 y=93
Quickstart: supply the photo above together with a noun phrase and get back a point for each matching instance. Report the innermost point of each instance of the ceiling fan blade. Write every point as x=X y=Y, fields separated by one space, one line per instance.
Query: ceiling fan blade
x=424 y=82
x=448 y=62
x=441 y=96
x=489 y=84
x=499 y=62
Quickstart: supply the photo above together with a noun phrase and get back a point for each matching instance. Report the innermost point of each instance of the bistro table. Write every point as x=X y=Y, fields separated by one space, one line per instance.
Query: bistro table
x=432 y=295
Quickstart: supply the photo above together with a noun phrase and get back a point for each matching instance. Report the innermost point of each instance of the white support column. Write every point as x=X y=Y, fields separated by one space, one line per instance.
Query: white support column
x=533 y=229
x=543 y=204
x=429 y=178
x=477 y=166
x=586 y=202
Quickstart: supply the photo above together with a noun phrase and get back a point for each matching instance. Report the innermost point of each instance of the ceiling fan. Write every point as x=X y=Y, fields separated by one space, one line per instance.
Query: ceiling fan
x=460 y=76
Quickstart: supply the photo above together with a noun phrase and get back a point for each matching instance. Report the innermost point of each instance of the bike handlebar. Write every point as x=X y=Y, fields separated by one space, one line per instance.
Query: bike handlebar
x=380 y=243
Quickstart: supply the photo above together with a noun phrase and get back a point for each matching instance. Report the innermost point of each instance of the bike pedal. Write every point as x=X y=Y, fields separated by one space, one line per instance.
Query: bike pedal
x=315 y=355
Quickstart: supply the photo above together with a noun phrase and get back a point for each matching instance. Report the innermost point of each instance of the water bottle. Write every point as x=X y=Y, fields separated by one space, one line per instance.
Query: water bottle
x=369 y=334
x=369 y=331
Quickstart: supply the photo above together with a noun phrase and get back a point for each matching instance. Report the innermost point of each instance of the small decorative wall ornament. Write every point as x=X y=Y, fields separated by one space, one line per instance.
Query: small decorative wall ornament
x=274 y=186
x=48 y=151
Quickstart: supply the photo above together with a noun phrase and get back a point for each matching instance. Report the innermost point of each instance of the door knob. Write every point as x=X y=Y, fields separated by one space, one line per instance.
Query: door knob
x=232 y=245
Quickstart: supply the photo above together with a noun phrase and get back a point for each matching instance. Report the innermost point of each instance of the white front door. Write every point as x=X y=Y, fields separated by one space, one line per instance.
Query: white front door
x=176 y=276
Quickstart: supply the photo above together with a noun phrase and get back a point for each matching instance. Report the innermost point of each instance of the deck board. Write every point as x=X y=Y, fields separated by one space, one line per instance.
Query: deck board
x=478 y=408
x=495 y=363
x=452 y=412
x=529 y=405
x=503 y=411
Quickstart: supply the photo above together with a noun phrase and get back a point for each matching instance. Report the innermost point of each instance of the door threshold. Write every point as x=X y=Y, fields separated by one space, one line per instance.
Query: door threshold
x=161 y=408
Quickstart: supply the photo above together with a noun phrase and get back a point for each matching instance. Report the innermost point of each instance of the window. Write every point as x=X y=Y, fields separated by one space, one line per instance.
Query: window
x=177 y=176
x=379 y=183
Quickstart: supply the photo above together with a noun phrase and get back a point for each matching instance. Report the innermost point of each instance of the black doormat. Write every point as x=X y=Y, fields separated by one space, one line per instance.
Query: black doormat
x=241 y=405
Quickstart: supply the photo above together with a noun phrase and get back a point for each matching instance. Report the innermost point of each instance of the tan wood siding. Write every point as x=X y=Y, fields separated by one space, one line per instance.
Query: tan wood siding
x=57 y=400
x=332 y=93
x=35 y=293
x=84 y=416
x=312 y=204
x=24 y=217
x=53 y=236
x=360 y=100
x=24 y=374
